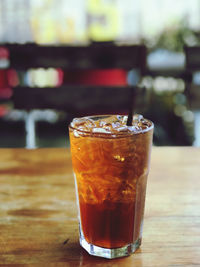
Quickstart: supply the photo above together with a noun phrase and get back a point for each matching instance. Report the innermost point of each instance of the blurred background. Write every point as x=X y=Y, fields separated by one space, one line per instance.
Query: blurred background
x=58 y=52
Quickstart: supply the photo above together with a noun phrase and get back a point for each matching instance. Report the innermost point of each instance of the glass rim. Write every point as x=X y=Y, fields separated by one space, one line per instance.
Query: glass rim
x=111 y=134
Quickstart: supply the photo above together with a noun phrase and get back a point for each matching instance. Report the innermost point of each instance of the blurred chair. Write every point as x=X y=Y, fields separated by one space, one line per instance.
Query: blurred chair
x=5 y=91
x=192 y=54
x=74 y=99
x=95 y=56
x=167 y=82
x=192 y=66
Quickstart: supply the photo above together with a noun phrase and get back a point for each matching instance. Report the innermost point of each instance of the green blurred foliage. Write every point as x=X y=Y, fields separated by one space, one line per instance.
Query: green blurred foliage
x=170 y=129
x=174 y=37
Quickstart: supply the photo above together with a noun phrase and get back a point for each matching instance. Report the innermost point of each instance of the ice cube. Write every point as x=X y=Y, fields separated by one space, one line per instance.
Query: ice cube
x=90 y=121
x=89 y=124
x=78 y=122
x=122 y=129
x=124 y=120
x=100 y=130
x=81 y=128
x=109 y=119
x=133 y=128
x=116 y=125
x=104 y=124
x=119 y=117
x=76 y=134
x=137 y=117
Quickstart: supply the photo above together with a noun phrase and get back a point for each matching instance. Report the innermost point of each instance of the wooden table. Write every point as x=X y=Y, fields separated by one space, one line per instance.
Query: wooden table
x=38 y=216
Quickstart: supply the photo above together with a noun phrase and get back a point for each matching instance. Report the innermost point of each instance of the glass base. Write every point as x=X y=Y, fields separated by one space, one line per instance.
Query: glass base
x=110 y=253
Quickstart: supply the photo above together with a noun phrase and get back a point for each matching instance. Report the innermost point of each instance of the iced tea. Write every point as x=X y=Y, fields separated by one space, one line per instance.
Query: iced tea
x=111 y=164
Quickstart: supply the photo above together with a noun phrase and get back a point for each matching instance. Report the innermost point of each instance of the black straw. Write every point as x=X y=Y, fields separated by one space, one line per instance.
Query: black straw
x=132 y=106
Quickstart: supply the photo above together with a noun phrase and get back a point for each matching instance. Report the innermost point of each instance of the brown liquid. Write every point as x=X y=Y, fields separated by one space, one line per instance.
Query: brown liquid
x=114 y=224
x=108 y=225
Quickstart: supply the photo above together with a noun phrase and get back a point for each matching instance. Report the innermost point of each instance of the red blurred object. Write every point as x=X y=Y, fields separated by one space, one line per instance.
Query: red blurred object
x=4 y=53
x=60 y=77
x=3 y=78
x=3 y=110
x=5 y=93
x=5 y=90
x=13 y=79
x=111 y=77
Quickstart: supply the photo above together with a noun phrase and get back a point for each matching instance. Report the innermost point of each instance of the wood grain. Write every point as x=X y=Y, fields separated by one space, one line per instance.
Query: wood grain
x=38 y=216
